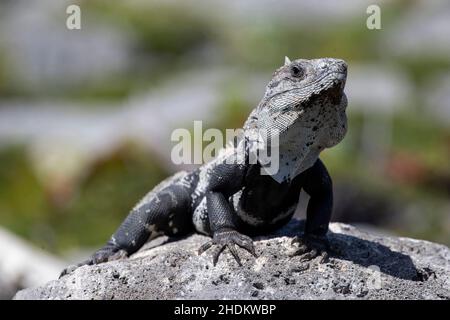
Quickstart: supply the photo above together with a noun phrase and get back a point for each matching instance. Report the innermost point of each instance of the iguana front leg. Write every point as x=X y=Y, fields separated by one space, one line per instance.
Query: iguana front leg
x=224 y=230
x=314 y=242
x=224 y=181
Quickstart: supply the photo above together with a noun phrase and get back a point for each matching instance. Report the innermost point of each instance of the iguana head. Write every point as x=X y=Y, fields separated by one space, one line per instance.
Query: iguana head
x=304 y=106
x=325 y=77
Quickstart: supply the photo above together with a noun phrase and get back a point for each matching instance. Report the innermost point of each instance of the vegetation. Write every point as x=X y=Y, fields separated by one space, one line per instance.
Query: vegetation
x=168 y=40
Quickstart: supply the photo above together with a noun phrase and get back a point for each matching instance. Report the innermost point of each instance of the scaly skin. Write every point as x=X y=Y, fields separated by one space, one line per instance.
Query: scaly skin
x=232 y=200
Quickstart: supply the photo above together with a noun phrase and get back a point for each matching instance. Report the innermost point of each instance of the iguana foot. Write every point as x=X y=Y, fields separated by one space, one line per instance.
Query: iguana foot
x=228 y=239
x=105 y=254
x=310 y=247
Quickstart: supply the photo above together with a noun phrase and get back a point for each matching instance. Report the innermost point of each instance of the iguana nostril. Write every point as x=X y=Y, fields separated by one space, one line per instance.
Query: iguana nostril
x=343 y=66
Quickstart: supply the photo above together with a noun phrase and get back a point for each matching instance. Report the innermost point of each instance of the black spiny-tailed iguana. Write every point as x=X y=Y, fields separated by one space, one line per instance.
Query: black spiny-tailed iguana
x=230 y=198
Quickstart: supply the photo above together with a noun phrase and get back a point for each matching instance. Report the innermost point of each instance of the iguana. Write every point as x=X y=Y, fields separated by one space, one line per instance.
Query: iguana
x=231 y=199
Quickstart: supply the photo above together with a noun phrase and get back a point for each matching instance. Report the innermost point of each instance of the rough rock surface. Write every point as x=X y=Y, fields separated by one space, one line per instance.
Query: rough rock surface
x=365 y=266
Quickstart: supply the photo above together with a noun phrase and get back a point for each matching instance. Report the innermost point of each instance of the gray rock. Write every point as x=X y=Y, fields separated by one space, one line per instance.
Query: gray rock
x=365 y=266
x=24 y=265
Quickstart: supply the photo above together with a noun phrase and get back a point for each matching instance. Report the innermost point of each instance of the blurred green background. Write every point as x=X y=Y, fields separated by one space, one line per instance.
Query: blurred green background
x=86 y=115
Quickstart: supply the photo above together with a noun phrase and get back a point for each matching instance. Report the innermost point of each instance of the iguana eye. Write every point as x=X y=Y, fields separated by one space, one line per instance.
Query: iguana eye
x=296 y=71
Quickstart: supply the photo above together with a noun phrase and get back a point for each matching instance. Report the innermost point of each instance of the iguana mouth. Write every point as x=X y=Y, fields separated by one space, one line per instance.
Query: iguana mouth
x=336 y=92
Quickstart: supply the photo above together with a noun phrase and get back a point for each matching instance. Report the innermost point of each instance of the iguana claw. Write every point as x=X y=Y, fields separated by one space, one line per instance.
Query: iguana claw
x=310 y=247
x=228 y=239
x=105 y=254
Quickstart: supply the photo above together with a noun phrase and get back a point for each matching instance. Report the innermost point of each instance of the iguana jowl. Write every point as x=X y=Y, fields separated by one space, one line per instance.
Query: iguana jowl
x=232 y=200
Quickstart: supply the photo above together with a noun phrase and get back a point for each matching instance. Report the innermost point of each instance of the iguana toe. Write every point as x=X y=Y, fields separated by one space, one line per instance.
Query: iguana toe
x=310 y=247
x=228 y=239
